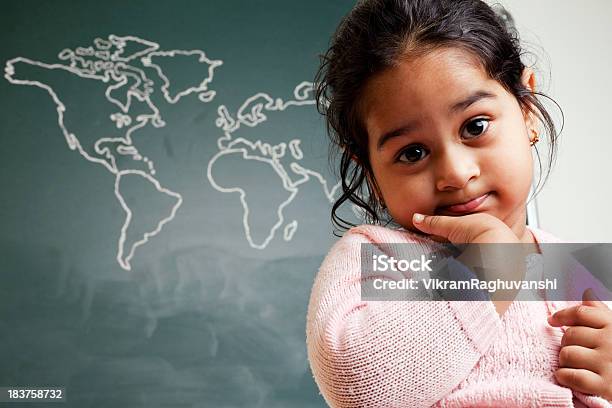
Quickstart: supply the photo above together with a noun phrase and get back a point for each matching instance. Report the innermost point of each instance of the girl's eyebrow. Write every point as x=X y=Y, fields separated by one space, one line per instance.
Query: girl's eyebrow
x=453 y=109
x=473 y=98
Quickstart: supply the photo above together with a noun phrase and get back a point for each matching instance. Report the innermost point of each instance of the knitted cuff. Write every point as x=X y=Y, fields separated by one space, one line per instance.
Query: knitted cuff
x=555 y=396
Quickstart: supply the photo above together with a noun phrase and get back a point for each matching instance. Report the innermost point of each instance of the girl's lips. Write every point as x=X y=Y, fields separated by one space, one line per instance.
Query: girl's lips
x=465 y=207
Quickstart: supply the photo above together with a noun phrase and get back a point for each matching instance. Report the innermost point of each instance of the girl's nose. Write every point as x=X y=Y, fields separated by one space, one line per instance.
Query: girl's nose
x=455 y=167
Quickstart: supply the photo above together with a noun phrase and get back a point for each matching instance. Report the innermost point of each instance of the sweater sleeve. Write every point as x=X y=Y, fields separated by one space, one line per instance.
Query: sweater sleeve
x=388 y=353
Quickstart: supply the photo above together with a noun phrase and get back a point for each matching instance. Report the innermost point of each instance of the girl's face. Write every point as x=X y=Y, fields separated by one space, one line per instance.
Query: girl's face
x=440 y=132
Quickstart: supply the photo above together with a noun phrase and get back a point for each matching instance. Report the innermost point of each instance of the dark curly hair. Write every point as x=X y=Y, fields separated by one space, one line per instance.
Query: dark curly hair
x=376 y=35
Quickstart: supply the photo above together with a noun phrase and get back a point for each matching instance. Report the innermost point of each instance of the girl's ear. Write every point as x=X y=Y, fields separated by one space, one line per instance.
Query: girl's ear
x=529 y=81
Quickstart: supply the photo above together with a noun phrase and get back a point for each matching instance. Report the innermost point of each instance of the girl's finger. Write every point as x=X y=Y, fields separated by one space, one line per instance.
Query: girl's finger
x=439 y=225
x=589 y=298
x=581 y=315
x=580 y=357
x=581 y=380
x=581 y=336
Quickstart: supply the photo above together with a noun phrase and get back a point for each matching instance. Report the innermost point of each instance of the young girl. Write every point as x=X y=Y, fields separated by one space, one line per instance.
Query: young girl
x=436 y=116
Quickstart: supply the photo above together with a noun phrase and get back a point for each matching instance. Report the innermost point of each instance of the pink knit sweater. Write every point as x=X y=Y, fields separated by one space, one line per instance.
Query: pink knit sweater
x=429 y=353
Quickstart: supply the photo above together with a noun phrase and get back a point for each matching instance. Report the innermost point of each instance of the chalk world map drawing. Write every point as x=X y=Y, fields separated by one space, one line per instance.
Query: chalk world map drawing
x=116 y=74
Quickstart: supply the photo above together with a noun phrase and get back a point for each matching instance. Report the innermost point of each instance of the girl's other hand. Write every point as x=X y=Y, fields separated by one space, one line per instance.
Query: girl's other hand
x=477 y=228
x=585 y=358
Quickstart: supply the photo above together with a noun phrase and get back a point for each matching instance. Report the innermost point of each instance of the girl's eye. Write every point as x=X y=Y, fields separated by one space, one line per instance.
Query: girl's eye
x=412 y=153
x=477 y=127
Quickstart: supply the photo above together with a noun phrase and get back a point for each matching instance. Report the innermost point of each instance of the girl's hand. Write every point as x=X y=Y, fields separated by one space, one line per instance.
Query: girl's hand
x=585 y=359
x=477 y=228
x=489 y=262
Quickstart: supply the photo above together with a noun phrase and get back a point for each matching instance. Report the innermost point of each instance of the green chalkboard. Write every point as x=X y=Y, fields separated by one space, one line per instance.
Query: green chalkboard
x=166 y=199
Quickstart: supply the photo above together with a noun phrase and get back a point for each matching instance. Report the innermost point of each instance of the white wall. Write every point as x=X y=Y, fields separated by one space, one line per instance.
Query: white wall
x=573 y=43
